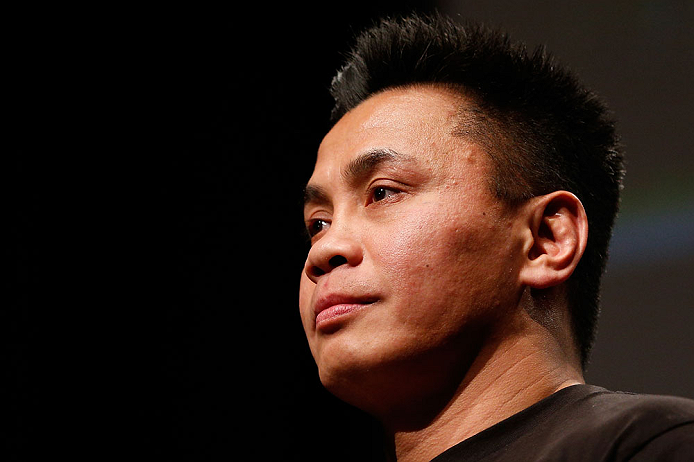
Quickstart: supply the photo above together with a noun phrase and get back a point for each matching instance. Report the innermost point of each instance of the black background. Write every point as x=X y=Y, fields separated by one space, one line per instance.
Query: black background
x=157 y=234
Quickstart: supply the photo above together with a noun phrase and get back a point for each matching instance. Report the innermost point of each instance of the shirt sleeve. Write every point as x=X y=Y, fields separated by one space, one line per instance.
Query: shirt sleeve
x=674 y=445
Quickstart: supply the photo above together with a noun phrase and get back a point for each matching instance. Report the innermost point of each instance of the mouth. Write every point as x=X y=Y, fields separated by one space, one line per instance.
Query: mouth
x=329 y=310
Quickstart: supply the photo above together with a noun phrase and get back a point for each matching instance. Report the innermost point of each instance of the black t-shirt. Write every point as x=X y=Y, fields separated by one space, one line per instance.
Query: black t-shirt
x=587 y=423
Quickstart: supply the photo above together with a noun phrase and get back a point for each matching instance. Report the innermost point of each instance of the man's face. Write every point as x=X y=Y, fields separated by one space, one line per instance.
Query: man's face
x=411 y=256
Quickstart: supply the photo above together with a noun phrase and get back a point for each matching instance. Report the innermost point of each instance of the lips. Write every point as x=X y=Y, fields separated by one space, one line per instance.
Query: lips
x=331 y=307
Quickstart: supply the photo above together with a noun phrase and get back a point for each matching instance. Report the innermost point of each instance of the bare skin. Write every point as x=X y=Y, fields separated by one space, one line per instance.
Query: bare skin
x=415 y=296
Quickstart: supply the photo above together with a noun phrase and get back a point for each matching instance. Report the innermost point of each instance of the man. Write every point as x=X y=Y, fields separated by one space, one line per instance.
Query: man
x=459 y=212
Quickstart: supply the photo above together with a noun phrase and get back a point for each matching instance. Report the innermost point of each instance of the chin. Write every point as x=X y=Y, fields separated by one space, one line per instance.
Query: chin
x=355 y=375
x=357 y=388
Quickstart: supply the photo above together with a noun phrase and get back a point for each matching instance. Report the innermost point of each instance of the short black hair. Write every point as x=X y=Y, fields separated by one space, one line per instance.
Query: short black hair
x=543 y=130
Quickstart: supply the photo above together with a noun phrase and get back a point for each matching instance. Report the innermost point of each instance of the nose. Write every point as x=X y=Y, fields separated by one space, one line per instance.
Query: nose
x=336 y=248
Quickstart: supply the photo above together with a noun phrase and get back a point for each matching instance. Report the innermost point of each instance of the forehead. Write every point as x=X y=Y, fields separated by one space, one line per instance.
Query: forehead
x=418 y=121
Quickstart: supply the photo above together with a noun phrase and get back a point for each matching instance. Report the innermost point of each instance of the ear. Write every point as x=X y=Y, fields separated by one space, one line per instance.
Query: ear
x=556 y=237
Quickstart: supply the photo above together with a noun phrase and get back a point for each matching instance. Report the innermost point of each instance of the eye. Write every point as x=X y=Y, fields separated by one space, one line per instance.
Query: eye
x=381 y=192
x=316 y=226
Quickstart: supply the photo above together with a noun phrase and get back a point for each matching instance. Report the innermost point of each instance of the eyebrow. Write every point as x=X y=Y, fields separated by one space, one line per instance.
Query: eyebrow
x=366 y=163
x=357 y=170
x=315 y=195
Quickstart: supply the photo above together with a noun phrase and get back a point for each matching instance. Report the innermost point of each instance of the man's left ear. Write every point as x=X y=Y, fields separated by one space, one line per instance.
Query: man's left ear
x=556 y=238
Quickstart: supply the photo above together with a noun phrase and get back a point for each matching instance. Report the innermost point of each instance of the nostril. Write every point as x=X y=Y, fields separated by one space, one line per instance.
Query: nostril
x=336 y=261
x=319 y=270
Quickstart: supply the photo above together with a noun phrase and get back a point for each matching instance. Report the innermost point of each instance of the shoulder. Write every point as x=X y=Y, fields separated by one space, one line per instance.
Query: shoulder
x=635 y=426
x=674 y=444
x=632 y=408
x=584 y=422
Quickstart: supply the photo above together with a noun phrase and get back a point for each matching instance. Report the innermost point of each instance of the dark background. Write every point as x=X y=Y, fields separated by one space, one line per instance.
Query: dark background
x=155 y=220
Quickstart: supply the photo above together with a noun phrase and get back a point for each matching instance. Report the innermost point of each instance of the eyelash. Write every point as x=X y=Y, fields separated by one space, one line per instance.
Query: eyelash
x=377 y=189
x=311 y=226
x=316 y=226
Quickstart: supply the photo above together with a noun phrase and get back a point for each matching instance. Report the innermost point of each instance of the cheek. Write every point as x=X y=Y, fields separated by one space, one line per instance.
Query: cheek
x=433 y=257
x=427 y=240
x=306 y=288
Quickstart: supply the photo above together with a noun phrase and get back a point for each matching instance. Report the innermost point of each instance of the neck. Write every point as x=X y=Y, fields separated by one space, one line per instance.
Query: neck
x=510 y=373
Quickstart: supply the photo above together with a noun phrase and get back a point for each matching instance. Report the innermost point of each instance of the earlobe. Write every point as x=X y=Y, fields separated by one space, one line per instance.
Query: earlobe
x=557 y=233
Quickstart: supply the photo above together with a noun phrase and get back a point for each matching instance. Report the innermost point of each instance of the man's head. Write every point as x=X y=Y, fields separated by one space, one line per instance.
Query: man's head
x=452 y=185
